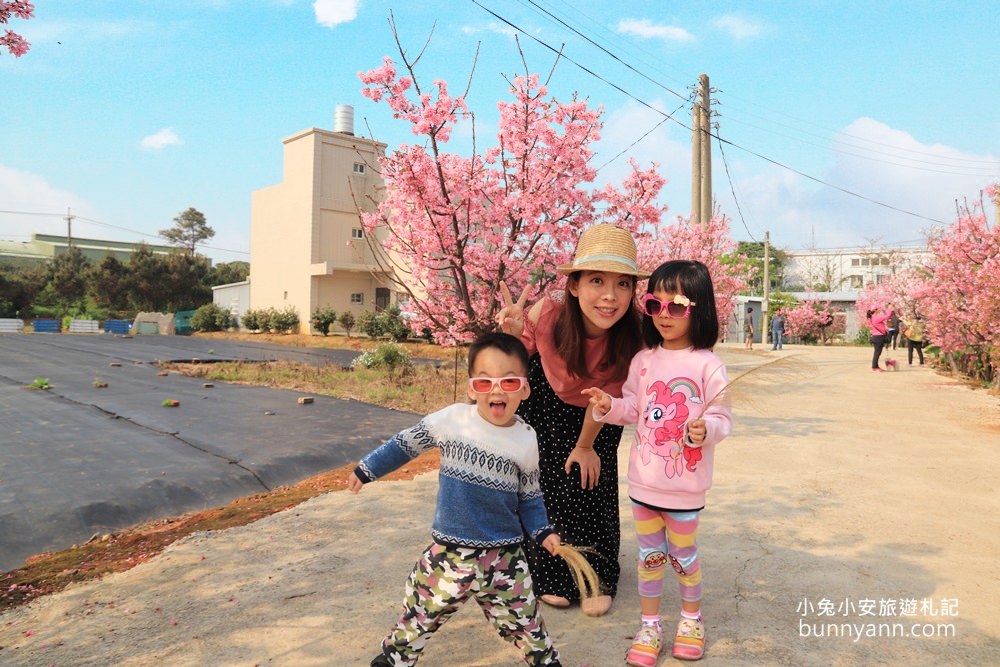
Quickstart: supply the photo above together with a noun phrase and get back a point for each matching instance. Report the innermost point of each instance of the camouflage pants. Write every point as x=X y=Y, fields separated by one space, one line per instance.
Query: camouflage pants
x=445 y=577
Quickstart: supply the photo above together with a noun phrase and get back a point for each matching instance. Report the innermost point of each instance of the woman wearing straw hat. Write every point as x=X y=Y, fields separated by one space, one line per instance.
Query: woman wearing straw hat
x=589 y=336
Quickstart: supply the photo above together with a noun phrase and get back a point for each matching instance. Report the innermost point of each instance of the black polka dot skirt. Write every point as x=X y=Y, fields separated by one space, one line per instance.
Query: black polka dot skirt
x=583 y=518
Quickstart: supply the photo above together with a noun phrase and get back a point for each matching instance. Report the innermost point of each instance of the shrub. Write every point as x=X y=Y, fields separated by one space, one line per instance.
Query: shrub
x=387 y=355
x=346 y=320
x=251 y=321
x=211 y=317
x=864 y=336
x=389 y=322
x=323 y=319
x=393 y=324
x=369 y=324
x=283 y=321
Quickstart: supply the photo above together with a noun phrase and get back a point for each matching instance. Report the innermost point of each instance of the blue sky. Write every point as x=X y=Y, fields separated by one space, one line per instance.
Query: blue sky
x=128 y=112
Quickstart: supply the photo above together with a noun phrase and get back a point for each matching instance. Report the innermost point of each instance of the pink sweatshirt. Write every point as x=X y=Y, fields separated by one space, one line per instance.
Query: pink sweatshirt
x=666 y=389
x=878 y=323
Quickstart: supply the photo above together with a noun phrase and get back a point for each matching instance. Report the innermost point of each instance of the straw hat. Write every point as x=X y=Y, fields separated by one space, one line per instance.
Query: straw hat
x=605 y=248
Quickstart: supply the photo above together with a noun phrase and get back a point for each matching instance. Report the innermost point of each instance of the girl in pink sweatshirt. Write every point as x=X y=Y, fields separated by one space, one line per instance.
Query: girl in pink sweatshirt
x=669 y=385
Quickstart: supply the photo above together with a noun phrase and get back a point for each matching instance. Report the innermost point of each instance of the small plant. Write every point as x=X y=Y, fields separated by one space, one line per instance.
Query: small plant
x=323 y=319
x=40 y=383
x=387 y=355
x=211 y=317
x=346 y=320
x=251 y=321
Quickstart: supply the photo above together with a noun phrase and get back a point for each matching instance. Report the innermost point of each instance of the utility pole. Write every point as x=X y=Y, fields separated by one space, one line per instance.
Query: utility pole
x=765 y=306
x=706 y=148
x=701 y=153
x=69 y=229
x=696 y=163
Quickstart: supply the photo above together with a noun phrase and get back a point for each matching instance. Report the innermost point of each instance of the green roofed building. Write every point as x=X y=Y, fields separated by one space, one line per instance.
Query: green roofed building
x=43 y=247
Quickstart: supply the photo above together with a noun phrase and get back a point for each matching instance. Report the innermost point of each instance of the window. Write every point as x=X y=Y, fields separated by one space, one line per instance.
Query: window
x=857 y=282
x=359 y=168
x=855 y=261
x=357 y=298
x=357 y=233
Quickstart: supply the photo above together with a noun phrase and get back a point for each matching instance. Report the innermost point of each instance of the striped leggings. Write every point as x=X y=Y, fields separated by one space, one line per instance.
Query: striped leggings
x=667 y=538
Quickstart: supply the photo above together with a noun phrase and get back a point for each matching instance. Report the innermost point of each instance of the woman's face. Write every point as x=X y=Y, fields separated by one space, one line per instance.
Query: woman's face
x=604 y=299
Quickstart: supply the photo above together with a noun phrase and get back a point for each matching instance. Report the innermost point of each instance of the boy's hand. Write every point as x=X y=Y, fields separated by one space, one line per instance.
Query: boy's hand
x=696 y=431
x=599 y=400
x=353 y=483
x=552 y=543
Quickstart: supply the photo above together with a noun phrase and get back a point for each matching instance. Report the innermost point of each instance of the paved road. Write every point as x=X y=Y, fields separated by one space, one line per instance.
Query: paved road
x=76 y=460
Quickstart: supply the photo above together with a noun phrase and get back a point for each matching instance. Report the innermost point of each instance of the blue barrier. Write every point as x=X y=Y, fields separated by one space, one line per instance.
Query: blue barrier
x=46 y=326
x=120 y=327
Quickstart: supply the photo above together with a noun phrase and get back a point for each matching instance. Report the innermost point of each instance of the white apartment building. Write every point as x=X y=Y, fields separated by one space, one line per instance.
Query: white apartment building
x=847 y=269
x=307 y=246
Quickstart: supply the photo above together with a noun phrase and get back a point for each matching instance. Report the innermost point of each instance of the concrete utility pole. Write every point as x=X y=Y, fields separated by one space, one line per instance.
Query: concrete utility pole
x=706 y=148
x=696 y=163
x=69 y=229
x=765 y=307
x=701 y=154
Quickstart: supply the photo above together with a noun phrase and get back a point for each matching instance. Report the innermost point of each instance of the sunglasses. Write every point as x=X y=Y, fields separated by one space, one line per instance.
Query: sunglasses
x=678 y=307
x=507 y=384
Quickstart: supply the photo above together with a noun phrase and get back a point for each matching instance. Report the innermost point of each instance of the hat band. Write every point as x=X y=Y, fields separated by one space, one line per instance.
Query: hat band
x=620 y=259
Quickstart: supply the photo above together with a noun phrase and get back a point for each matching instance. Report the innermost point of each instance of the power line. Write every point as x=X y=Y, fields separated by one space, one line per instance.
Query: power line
x=124 y=229
x=733 y=190
x=649 y=132
x=651 y=107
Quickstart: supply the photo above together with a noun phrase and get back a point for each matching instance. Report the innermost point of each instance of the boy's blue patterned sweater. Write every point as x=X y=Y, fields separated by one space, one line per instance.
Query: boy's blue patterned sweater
x=488 y=481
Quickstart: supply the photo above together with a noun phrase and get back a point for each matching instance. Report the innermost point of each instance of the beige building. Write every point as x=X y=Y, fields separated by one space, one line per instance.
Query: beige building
x=308 y=249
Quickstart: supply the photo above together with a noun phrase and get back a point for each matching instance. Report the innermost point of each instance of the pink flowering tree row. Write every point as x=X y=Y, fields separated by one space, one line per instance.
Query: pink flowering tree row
x=21 y=9
x=459 y=224
x=810 y=319
x=957 y=294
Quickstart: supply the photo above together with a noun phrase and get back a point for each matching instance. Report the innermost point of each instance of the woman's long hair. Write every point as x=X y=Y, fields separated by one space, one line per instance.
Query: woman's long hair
x=624 y=337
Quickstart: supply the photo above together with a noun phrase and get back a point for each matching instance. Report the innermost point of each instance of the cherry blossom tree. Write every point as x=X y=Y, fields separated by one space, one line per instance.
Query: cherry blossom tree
x=709 y=243
x=957 y=293
x=810 y=319
x=458 y=225
x=961 y=298
x=21 y=9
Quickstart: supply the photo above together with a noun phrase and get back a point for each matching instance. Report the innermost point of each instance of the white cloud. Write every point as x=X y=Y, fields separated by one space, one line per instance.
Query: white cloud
x=740 y=27
x=331 y=13
x=648 y=30
x=668 y=145
x=160 y=140
x=492 y=26
x=898 y=170
x=25 y=193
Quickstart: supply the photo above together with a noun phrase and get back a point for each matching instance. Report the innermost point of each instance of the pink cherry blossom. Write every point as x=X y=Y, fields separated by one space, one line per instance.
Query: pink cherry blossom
x=21 y=9
x=458 y=225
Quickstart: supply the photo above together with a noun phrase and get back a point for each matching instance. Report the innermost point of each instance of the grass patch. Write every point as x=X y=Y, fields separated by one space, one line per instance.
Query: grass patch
x=422 y=389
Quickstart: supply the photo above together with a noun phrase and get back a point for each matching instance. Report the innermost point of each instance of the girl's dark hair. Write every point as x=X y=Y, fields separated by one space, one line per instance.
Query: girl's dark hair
x=869 y=314
x=503 y=342
x=693 y=280
x=624 y=337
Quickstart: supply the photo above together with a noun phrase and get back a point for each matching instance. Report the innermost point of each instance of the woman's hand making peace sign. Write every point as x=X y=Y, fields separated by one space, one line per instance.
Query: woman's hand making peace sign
x=510 y=318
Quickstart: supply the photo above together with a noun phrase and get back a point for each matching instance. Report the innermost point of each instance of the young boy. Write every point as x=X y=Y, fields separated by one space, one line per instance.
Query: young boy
x=489 y=497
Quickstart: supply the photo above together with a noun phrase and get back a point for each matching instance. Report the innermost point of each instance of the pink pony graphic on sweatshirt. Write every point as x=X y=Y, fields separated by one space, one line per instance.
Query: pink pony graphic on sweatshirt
x=664 y=418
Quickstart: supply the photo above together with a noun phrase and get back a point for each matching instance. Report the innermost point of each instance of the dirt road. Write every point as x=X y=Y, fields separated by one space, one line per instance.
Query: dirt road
x=853 y=522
